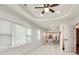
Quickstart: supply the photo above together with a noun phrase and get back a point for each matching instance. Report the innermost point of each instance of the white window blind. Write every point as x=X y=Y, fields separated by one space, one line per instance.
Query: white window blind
x=39 y=34
x=28 y=35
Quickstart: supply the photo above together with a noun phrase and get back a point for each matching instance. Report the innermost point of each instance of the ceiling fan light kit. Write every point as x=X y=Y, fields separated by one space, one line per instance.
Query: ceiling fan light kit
x=47 y=8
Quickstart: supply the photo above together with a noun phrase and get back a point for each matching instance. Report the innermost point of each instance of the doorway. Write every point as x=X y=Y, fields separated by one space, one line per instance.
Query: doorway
x=77 y=40
x=54 y=38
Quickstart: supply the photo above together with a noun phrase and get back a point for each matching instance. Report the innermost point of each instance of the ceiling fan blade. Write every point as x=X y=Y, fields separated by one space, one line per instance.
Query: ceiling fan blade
x=45 y=5
x=53 y=5
x=48 y=5
x=25 y=4
x=39 y=7
x=51 y=10
x=43 y=12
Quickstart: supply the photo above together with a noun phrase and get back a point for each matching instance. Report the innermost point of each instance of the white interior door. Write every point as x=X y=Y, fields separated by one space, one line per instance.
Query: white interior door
x=68 y=38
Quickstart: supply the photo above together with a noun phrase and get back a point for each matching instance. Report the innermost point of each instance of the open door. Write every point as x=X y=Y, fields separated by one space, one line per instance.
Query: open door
x=77 y=40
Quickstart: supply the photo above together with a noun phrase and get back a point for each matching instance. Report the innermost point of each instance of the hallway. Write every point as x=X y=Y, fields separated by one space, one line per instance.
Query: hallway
x=24 y=31
x=48 y=50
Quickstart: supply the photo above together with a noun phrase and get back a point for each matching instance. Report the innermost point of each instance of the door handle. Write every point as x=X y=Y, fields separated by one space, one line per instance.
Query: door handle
x=65 y=39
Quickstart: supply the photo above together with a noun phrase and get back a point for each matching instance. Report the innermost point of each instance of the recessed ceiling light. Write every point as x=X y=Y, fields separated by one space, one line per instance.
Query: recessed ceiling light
x=58 y=12
x=41 y=14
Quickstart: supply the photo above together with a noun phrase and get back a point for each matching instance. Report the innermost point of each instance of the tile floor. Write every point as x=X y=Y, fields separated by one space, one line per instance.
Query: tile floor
x=48 y=50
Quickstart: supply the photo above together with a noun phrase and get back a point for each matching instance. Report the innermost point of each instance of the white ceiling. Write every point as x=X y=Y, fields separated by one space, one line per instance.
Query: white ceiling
x=63 y=9
x=67 y=13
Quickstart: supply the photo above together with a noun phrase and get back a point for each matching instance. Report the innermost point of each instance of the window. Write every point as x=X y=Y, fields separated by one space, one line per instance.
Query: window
x=28 y=31
x=5 y=34
x=39 y=34
x=28 y=35
x=19 y=35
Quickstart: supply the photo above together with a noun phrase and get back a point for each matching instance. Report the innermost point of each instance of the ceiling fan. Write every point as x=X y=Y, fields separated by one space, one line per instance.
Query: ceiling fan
x=47 y=7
